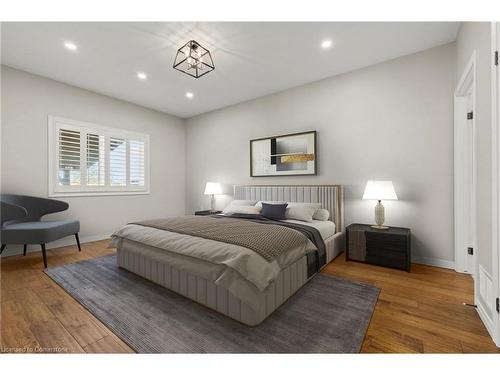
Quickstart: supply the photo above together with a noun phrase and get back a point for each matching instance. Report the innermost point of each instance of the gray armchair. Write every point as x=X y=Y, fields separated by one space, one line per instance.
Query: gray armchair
x=21 y=222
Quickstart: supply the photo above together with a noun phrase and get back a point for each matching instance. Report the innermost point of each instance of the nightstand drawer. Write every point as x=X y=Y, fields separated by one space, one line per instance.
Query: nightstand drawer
x=386 y=240
x=386 y=258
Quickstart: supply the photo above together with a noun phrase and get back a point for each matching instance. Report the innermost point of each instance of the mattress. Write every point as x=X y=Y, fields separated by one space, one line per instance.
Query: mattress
x=325 y=228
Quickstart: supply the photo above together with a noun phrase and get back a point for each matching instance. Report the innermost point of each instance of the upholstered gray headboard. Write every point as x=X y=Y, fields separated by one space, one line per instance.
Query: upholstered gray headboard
x=331 y=197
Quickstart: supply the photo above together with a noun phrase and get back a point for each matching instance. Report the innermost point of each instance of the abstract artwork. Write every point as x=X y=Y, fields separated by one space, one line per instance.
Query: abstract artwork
x=284 y=155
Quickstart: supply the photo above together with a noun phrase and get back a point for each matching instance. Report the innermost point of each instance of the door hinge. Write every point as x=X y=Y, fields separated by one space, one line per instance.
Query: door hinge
x=470 y=250
x=498 y=304
x=496 y=57
x=470 y=115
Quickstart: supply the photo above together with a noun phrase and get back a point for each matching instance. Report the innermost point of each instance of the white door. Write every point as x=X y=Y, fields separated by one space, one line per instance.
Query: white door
x=495 y=130
x=469 y=195
x=464 y=171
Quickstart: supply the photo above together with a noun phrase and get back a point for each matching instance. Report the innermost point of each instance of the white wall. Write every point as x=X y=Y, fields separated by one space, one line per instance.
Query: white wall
x=26 y=102
x=392 y=121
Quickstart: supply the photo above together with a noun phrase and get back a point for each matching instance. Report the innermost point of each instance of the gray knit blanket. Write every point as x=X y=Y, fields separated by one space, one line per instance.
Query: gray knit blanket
x=269 y=241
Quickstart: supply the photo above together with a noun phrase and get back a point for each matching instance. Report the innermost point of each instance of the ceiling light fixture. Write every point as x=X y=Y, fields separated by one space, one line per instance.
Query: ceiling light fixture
x=193 y=59
x=71 y=46
x=325 y=44
x=142 y=75
x=189 y=95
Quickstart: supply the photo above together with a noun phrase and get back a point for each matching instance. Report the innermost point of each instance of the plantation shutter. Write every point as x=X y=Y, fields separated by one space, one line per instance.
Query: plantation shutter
x=69 y=170
x=137 y=163
x=117 y=161
x=95 y=160
x=88 y=159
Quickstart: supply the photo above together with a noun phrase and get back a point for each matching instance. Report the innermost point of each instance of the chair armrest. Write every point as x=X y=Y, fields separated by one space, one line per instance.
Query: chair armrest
x=11 y=211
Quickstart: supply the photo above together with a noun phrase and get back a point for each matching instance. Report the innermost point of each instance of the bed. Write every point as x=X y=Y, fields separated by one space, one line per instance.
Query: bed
x=192 y=266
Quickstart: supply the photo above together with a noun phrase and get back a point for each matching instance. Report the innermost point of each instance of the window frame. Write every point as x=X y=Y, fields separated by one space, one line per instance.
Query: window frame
x=54 y=190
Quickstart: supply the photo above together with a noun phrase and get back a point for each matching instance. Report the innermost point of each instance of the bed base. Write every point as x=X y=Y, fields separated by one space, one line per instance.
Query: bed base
x=219 y=298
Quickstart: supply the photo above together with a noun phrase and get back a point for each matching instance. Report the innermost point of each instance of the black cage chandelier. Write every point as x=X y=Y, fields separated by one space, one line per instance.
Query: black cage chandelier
x=193 y=59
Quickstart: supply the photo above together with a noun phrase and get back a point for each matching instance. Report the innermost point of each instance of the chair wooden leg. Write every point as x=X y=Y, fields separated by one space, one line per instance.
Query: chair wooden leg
x=44 y=254
x=3 y=247
x=78 y=241
x=24 y=249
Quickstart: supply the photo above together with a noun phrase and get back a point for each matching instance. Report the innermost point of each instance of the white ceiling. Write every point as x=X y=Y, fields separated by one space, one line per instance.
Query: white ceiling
x=251 y=59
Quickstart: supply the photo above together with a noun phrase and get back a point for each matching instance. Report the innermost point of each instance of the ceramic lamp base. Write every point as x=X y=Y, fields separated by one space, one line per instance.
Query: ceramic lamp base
x=379 y=216
x=212 y=203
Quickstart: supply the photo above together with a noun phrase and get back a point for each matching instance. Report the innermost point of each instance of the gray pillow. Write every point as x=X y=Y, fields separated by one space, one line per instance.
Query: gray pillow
x=274 y=211
x=259 y=203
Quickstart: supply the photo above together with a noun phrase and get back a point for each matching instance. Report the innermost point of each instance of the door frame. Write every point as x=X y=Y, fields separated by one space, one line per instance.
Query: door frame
x=465 y=87
x=495 y=178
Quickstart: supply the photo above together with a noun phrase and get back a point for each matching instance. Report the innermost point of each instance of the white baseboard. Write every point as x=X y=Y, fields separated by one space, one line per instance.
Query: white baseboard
x=436 y=262
x=11 y=250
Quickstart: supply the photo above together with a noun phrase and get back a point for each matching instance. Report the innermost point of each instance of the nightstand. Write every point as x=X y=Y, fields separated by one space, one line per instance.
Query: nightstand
x=382 y=247
x=206 y=213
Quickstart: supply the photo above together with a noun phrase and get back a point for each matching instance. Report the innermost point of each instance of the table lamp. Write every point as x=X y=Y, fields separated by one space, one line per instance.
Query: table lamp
x=379 y=190
x=212 y=188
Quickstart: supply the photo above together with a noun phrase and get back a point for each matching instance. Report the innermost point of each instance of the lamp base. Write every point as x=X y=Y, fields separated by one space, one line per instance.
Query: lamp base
x=379 y=227
x=212 y=204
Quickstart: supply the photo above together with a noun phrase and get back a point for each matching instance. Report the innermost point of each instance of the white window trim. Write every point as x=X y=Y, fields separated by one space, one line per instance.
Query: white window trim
x=55 y=191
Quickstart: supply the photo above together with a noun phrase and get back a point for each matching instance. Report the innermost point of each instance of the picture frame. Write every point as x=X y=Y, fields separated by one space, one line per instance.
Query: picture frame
x=291 y=154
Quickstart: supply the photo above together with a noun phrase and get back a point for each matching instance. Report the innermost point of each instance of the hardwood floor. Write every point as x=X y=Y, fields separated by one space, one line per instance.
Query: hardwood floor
x=418 y=312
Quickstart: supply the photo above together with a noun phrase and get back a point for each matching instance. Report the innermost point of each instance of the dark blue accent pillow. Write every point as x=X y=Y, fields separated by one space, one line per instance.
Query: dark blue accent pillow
x=274 y=211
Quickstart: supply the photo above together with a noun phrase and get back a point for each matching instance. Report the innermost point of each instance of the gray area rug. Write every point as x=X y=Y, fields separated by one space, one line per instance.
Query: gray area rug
x=327 y=315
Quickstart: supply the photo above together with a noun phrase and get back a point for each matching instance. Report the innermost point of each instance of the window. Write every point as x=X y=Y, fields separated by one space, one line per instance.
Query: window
x=89 y=159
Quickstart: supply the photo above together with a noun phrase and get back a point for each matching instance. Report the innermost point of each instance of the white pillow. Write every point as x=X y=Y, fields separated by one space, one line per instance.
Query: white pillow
x=321 y=214
x=242 y=202
x=301 y=211
x=238 y=203
x=252 y=210
x=241 y=210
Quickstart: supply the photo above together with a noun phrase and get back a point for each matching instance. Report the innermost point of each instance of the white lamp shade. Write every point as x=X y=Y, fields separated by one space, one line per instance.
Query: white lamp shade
x=380 y=190
x=212 y=188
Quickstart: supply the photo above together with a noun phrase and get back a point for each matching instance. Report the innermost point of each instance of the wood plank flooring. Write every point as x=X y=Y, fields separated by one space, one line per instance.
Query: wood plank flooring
x=418 y=312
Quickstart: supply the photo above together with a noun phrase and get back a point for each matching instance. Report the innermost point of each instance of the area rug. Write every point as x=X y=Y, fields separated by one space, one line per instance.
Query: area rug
x=327 y=315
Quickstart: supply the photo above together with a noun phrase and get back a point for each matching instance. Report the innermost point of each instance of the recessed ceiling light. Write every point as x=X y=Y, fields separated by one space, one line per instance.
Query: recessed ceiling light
x=325 y=44
x=70 y=45
x=141 y=75
x=189 y=95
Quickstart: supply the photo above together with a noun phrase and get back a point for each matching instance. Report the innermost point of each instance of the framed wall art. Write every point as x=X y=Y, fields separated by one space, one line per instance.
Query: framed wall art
x=284 y=155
